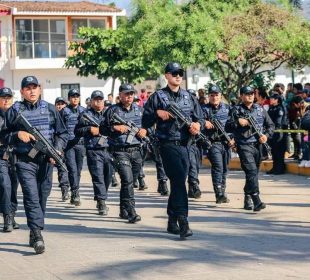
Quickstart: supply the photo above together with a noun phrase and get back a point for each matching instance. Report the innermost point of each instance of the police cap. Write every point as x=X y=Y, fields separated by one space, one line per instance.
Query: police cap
x=5 y=91
x=60 y=99
x=246 y=90
x=127 y=88
x=214 y=89
x=97 y=93
x=73 y=92
x=173 y=67
x=29 y=80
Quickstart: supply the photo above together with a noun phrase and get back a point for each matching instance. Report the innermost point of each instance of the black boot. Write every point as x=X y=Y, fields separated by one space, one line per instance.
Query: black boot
x=123 y=214
x=15 y=225
x=258 y=204
x=136 y=184
x=163 y=188
x=133 y=217
x=64 y=192
x=114 y=181
x=102 y=208
x=219 y=195
x=142 y=185
x=248 y=204
x=194 y=191
x=225 y=199
x=184 y=227
x=75 y=198
x=7 y=223
x=36 y=241
x=173 y=227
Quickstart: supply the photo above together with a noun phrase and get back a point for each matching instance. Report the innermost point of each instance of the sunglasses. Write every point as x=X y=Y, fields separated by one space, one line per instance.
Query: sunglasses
x=176 y=73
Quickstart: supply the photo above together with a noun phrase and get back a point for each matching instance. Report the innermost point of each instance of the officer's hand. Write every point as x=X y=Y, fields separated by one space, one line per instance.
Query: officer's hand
x=25 y=136
x=142 y=133
x=243 y=122
x=209 y=125
x=194 y=128
x=231 y=143
x=94 y=130
x=120 y=128
x=263 y=139
x=164 y=115
x=52 y=161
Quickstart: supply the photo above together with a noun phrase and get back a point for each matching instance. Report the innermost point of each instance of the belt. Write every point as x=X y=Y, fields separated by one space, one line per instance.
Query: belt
x=40 y=158
x=174 y=142
x=126 y=149
x=98 y=149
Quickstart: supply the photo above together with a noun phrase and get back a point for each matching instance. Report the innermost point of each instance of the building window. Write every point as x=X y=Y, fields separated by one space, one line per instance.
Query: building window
x=81 y=22
x=66 y=87
x=40 y=38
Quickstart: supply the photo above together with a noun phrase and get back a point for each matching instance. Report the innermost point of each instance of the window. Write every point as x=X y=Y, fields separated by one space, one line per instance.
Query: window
x=77 y=23
x=66 y=87
x=40 y=38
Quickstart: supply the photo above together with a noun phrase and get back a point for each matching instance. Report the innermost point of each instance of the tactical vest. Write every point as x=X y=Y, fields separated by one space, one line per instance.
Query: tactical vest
x=135 y=116
x=71 y=119
x=95 y=142
x=40 y=118
x=168 y=130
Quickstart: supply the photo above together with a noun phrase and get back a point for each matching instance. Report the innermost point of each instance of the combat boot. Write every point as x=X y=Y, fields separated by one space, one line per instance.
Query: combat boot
x=64 y=192
x=185 y=231
x=225 y=199
x=36 y=241
x=123 y=214
x=219 y=195
x=136 y=184
x=7 y=223
x=15 y=225
x=133 y=217
x=248 y=204
x=173 y=227
x=114 y=181
x=142 y=185
x=102 y=208
x=258 y=204
x=163 y=188
x=194 y=191
x=75 y=198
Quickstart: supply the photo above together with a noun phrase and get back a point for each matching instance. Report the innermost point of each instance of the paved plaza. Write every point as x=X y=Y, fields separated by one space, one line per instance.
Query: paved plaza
x=228 y=242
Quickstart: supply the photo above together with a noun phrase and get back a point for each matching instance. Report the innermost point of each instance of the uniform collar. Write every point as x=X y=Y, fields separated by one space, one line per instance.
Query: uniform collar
x=31 y=106
x=171 y=92
x=120 y=105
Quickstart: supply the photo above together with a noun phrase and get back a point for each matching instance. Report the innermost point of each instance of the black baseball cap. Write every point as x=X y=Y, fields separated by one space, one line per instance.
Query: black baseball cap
x=97 y=93
x=275 y=95
x=214 y=89
x=73 y=92
x=127 y=88
x=246 y=90
x=107 y=103
x=60 y=99
x=29 y=80
x=5 y=91
x=173 y=67
x=192 y=92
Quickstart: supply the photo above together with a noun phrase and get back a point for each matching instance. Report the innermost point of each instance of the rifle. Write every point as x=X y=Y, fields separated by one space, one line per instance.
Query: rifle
x=132 y=128
x=182 y=120
x=254 y=125
x=41 y=144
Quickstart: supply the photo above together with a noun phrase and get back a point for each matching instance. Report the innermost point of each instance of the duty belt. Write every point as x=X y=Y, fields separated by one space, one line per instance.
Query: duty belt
x=126 y=148
x=175 y=142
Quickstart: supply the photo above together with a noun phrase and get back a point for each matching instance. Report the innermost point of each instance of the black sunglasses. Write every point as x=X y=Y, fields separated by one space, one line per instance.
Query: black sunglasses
x=176 y=73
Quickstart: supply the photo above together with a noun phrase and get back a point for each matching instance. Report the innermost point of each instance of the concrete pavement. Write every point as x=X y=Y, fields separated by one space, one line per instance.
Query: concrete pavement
x=228 y=242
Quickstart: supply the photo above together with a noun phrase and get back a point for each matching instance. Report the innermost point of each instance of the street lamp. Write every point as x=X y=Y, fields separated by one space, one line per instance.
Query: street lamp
x=196 y=80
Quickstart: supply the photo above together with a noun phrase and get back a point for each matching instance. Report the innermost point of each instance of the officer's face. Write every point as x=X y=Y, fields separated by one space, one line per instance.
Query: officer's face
x=126 y=98
x=215 y=98
x=74 y=100
x=174 y=78
x=273 y=101
x=31 y=93
x=247 y=98
x=60 y=105
x=97 y=104
x=6 y=102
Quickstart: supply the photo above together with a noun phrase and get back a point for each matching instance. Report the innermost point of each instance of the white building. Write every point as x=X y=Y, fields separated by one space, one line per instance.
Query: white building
x=34 y=38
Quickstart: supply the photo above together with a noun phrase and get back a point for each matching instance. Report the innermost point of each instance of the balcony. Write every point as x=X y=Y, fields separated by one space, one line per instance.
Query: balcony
x=17 y=63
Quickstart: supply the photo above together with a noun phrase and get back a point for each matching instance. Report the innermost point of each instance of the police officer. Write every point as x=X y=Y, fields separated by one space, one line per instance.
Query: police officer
x=174 y=142
x=278 y=115
x=8 y=176
x=219 y=154
x=98 y=157
x=34 y=173
x=63 y=179
x=75 y=150
x=194 y=165
x=248 y=143
x=127 y=156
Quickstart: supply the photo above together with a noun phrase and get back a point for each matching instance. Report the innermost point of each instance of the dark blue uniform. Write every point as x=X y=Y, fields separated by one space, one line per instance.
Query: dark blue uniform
x=127 y=157
x=248 y=146
x=98 y=156
x=75 y=150
x=219 y=154
x=174 y=148
x=35 y=174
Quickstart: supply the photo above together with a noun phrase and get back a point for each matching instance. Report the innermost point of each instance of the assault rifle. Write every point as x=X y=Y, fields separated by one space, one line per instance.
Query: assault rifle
x=183 y=120
x=132 y=128
x=41 y=144
x=93 y=122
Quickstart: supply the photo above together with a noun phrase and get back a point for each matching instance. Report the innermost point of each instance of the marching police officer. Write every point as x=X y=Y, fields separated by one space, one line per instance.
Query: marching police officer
x=98 y=157
x=278 y=115
x=248 y=143
x=75 y=150
x=219 y=154
x=34 y=173
x=127 y=154
x=8 y=176
x=174 y=142
x=63 y=179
